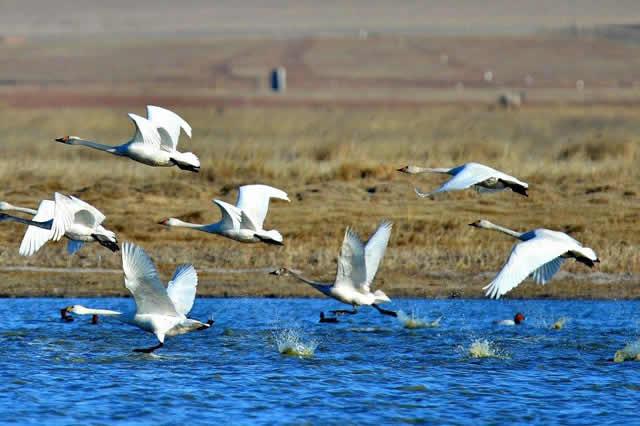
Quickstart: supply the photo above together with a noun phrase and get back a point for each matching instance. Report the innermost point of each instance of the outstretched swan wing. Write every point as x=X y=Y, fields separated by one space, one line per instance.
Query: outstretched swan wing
x=231 y=216
x=544 y=273
x=524 y=259
x=146 y=131
x=169 y=124
x=466 y=176
x=351 y=263
x=254 y=201
x=182 y=288
x=374 y=251
x=36 y=237
x=141 y=279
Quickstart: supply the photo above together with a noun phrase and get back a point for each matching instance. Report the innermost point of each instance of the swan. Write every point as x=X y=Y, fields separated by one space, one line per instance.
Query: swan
x=481 y=177
x=357 y=267
x=242 y=222
x=66 y=216
x=517 y=320
x=159 y=310
x=154 y=143
x=40 y=232
x=540 y=254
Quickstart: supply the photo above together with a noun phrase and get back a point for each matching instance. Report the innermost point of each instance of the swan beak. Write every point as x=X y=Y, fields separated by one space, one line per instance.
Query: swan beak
x=163 y=222
x=474 y=224
x=63 y=140
x=402 y=169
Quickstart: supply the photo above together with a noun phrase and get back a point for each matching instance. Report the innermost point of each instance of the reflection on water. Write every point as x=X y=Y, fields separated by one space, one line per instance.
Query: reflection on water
x=368 y=368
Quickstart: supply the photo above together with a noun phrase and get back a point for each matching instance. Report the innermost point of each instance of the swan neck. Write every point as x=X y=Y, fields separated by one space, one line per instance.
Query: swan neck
x=98 y=146
x=506 y=231
x=18 y=209
x=420 y=170
x=105 y=312
x=306 y=280
x=182 y=224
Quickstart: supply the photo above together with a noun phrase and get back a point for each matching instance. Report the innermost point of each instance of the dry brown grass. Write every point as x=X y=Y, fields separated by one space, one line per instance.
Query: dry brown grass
x=338 y=166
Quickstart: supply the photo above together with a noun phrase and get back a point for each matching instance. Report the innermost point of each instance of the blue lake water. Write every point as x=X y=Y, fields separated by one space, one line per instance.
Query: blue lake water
x=366 y=369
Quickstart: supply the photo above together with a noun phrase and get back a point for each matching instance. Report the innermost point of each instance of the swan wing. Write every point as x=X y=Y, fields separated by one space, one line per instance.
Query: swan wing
x=169 y=125
x=544 y=273
x=141 y=279
x=254 y=201
x=64 y=215
x=146 y=131
x=231 y=215
x=374 y=251
x=468 y=175
x=351 y=263
x=524 y=259
x=36 y=237
x=182 y=288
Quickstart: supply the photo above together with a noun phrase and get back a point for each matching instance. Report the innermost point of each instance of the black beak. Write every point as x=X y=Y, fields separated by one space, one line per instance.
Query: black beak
x=60 y=139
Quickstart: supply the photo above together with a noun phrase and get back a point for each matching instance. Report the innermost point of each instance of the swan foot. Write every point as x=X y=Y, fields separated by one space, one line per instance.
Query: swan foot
x=204 y=327
x=106 y=243
x=344 y=312
x=325 y=319
x=384 y=311
x=269 y=241
x=188 y=167
x=149 y=350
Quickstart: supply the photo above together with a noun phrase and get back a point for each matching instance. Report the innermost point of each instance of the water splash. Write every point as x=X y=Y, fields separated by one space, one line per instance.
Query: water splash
x=483 y=348
x=412 y=321
x=559 y=324
x=289 y=342
x=631 y=352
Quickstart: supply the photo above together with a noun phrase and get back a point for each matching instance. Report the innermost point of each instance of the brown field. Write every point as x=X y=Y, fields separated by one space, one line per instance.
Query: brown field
x=355 y=111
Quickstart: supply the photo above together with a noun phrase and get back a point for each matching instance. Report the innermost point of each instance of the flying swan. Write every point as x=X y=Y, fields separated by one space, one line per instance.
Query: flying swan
x=481 y=177
x=540 y=254
x=242 y=222
x=155 y=142
x=66 y=216
x=159 y=310
x=357 y=267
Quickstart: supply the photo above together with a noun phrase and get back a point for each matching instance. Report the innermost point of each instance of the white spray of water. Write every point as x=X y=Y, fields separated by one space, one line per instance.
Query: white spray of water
x=289 y=342
x=482 y=348
x=412 y=320
x=559 y=324
x=631 y=352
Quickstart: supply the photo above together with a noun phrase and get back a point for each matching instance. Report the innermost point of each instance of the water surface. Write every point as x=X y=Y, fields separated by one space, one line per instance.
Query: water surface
x=366 y=369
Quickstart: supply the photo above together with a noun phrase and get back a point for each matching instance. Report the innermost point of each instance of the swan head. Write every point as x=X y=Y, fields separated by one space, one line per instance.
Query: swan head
x=518 y=318
x=481 y=224
x=5 y=206
x=69 y=140
x=168 y=222
x=407 y=169
x=76 y=309
x=279 y=271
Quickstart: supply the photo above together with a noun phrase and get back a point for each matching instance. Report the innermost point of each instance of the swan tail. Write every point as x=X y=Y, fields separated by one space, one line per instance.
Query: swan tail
x=270 y=237
x=381 y=297
x=186 y=161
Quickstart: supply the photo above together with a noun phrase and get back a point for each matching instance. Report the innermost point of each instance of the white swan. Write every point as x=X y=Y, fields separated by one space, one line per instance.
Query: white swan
x=540 y=254
x=154 y=143
x=67 y=216
x=357 y=267
x=242 y=222
x=159 y=310
x=483 y=178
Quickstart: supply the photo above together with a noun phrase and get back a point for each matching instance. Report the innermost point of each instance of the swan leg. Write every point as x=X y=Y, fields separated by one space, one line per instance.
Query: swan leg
x=384 y=311
x=149 y=350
